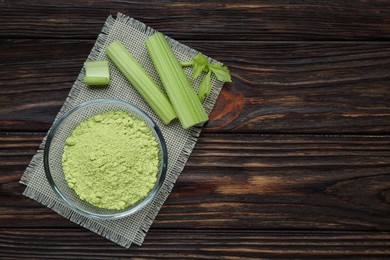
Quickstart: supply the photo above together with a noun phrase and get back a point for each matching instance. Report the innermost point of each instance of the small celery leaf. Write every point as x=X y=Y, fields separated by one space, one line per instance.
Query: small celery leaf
x=221 y=72
x=205 y=87
x=200 y=64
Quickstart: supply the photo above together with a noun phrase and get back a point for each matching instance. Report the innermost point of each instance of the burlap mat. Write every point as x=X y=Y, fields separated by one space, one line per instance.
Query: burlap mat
x=179 y=142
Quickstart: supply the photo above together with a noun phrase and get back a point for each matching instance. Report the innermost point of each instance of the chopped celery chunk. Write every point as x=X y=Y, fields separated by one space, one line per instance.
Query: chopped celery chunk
x=97 y=73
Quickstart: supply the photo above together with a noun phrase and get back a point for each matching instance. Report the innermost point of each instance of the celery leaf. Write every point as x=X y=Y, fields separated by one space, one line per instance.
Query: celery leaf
x=200 y=64
x=205 y=87
x=221 y=72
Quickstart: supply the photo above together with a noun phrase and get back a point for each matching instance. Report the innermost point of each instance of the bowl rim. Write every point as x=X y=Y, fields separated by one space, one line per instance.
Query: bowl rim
x=152 y=193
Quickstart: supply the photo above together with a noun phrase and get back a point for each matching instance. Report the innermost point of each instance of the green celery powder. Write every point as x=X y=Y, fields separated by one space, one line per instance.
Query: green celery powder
x=111 y=160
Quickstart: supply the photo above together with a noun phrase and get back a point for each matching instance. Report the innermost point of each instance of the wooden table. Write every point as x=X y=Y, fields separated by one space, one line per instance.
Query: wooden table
x=294 y=162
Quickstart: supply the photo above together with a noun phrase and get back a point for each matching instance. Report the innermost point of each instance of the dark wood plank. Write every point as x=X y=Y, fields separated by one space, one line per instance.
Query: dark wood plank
x=245 y=182
x=37 y=77
x=277 y=87
x=203 y=244
x=216 y=20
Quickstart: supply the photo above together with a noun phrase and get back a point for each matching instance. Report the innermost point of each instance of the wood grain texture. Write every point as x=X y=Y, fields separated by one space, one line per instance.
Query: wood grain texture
x=216 y=20
x=244 y=182
x=203 y=244
x=294 y=162
x=277 y=87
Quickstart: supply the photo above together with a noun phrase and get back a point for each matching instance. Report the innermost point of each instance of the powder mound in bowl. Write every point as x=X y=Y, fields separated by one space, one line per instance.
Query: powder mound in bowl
x=111 y=160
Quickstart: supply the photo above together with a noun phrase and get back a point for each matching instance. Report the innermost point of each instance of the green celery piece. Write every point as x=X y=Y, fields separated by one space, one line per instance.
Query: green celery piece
x=186 y=63
x=221 y=72
x=97 y=73
x=141 y=81
x=200 y=64
x=187 y=105
x=205 y=87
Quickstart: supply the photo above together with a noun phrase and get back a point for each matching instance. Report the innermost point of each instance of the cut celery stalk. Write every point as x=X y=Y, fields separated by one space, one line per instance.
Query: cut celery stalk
x=96 y=73
x=181 y=94
x=141 y=81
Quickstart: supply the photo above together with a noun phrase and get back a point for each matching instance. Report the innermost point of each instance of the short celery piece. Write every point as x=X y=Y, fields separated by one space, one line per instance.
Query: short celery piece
x=97 y=73
x=180 y=91
x=141 y=81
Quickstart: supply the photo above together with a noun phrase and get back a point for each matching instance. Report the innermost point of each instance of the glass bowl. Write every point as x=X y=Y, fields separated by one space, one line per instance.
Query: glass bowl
x=54 y=148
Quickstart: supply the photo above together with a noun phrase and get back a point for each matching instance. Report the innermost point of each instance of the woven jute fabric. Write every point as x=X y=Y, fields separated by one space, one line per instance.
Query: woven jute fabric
x=180 y=142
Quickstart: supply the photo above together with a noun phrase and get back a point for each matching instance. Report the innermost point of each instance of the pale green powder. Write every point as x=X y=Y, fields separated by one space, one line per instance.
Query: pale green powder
x=111 y=160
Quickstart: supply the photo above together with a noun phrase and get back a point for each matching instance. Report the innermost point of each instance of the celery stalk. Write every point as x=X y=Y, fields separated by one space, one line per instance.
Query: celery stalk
x=141 y=81
x=181 y=94
x=96 y=73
